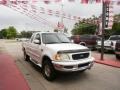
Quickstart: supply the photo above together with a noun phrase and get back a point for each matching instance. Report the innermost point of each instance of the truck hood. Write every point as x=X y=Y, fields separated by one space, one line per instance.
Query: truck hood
x=65 y=46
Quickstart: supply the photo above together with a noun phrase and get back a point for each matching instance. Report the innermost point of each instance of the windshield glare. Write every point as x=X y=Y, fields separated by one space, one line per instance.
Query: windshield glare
x=115 y=38
x=50 y=38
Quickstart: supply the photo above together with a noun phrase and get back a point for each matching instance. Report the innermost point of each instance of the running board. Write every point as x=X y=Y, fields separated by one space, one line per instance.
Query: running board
x=35 y=62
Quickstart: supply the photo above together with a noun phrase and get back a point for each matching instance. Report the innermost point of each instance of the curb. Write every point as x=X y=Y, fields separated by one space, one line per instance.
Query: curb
x=108 y=62
x=10 y=76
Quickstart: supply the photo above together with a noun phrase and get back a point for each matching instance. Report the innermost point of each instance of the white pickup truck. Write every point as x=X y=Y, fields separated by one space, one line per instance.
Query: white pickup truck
x=54 y=52
x=109 y=45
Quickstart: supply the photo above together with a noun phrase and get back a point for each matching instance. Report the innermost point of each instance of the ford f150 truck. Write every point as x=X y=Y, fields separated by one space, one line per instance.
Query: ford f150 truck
x=109 y=45
x=54 y=52
x=117 y=49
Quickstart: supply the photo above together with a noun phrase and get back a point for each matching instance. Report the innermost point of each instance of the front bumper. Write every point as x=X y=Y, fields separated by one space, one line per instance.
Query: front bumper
x=105 y=47
x=74 y=65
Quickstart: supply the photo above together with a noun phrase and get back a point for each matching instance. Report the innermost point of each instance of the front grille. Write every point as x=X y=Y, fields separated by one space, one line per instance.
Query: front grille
x=80 y=56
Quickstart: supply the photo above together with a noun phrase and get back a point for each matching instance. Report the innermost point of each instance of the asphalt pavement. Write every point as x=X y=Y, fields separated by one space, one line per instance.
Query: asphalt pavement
x=100 y=77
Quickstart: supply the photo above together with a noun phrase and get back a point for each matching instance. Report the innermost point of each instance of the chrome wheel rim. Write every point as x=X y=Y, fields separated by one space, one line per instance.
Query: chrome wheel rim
x=47 y=70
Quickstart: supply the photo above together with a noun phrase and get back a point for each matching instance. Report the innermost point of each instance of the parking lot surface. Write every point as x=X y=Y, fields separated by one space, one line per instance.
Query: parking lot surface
x=100 y=77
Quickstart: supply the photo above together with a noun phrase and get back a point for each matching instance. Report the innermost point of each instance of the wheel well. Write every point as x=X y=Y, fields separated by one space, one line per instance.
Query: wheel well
x=83 y=43
x=45 y=58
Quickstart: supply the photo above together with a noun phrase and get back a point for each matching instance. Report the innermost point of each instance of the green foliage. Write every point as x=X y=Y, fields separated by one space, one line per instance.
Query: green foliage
x=8 y=33
x=11 y=32
x=116 y=28
x=83 y=28
x=3 y=33
x=114 y=31
x=26 y=34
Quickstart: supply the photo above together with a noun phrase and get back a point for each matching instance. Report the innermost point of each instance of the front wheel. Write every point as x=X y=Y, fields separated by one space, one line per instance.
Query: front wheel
x=48 y=70
x=117 y=56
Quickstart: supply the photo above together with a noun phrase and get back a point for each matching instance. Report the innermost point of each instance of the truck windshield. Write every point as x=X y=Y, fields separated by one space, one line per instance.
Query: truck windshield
x=115 y=38
x=52 y=38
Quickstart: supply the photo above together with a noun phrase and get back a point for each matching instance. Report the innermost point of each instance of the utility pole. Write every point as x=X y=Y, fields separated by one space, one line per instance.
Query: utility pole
x=61 y=22
x=62 y=13
x=61 y=25
x=104 y=9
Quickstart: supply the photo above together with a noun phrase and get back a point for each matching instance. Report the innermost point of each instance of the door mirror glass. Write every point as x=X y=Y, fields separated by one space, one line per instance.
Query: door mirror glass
x=72 y=41
x=36 y=41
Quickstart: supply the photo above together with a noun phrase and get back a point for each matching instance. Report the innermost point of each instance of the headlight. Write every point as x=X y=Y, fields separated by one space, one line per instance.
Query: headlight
x=61 y=57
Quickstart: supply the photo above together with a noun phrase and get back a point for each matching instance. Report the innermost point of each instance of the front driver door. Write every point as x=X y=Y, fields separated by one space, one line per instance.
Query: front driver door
x=36 y=48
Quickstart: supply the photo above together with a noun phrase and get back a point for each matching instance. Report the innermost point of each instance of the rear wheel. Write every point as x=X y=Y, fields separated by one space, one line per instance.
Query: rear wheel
x=117 y=56
x=26 y=57
x=48 y=70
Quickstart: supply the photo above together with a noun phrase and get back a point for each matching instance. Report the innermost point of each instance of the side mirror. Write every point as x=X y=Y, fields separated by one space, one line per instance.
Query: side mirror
x=37 y=41
x=72 y=41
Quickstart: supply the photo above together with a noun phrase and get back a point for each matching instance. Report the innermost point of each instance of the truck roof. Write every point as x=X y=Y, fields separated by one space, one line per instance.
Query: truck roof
x=45 y=32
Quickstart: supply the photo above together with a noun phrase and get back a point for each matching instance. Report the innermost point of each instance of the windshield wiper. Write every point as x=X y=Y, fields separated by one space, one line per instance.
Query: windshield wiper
x=65 y=42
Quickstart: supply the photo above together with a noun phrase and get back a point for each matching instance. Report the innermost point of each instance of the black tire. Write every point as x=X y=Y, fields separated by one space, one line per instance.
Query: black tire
x=48 y=70
x=117 y=56
x=82 y=71
x=99 y=50
x=26 y=57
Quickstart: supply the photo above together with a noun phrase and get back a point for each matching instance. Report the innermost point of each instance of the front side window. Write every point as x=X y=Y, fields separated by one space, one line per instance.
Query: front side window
x=32 y=38
x=50 y=38
x=37 y=36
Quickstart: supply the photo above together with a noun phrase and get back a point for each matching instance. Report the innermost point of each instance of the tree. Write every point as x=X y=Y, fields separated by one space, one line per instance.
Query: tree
x=26 y=34
x=55 y=30
x=83 y=28
x=116 y=28
x=11 y=32
x=117 y=18
x=3 y=33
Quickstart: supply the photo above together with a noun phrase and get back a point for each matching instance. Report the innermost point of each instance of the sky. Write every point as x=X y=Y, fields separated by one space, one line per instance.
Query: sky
x=9 y=17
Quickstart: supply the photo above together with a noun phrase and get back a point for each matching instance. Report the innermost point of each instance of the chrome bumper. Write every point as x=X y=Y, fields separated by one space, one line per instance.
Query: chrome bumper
x=74 y=65
x=105 y=47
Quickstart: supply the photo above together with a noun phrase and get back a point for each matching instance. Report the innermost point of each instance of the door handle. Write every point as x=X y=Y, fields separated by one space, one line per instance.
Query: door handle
x=42 y=50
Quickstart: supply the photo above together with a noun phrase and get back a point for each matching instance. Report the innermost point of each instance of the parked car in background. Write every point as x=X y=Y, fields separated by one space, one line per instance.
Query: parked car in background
x=117 y=49
x=22 y=39
x=109 y=45
x=86 y=40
